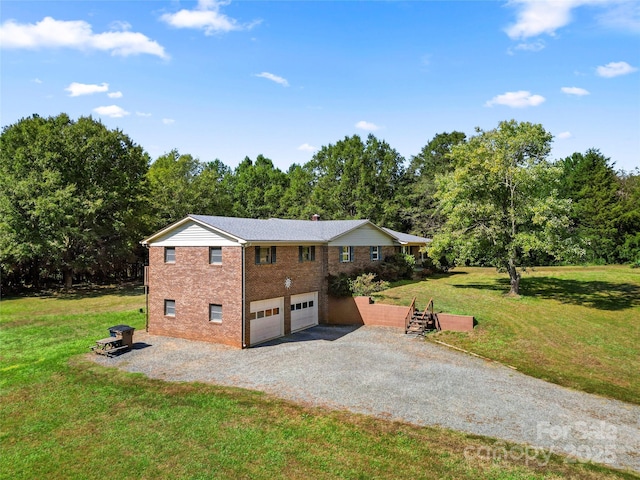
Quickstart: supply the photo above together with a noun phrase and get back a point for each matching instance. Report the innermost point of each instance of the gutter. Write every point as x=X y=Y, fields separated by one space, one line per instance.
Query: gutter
x=244 y=345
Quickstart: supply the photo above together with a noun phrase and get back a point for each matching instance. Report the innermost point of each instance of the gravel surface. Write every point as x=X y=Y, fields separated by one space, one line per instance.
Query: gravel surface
x=379 y=371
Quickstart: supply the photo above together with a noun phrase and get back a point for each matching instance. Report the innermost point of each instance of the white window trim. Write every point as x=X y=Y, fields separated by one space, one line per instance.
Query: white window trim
x=211 y=250
x=211 y=319
x=166 y=309
x=166 y=251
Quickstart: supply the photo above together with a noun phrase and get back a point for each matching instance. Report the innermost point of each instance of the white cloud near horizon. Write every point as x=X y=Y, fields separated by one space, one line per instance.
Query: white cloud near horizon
x=575 y=91
x=142 y=114
x=168 y=121
x=76 y=89
x=519 y=99
x=615 y=69
x=537 y=17
x=364 y=125
x=564 y=135
x=274 y=78
x=305 y=147
x=114 y=94
x=76 y=34
x=206 y=16
x=112 y=111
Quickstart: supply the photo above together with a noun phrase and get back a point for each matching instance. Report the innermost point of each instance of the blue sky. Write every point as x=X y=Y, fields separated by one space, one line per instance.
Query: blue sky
x=282 y=79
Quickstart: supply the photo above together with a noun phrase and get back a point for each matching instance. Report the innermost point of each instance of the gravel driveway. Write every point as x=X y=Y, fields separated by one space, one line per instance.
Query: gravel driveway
x=379 y=371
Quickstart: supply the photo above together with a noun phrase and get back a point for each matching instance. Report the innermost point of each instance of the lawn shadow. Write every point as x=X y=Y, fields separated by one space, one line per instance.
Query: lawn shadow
x=593 y=294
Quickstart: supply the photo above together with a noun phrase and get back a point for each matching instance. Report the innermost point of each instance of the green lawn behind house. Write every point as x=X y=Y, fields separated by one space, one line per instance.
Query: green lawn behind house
x=64 y=417
x=574 y=326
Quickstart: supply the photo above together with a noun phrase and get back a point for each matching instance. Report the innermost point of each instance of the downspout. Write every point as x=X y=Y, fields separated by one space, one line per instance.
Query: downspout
x=244 y=345
x=146 y=291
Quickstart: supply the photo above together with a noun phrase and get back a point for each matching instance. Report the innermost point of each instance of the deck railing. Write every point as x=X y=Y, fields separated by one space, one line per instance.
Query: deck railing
x=407 y=319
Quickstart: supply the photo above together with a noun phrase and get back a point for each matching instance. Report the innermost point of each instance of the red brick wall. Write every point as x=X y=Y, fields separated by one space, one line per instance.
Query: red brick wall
x=361 y=259
x=359 y=311
x=194 y=284
x=267 y=280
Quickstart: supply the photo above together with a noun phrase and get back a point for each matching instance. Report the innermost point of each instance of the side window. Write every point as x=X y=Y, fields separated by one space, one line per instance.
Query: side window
x=307 y=254
x=169 y=254
x=170 y=308
x=215 y=255
x=375 y=253
x=215 y=313
x=346 y=254
x=265 y=255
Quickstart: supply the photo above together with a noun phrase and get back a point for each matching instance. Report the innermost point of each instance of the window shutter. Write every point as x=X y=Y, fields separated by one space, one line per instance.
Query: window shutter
x=351 y=254
x=313 y=253
x=273 y=254
x=257 y=255
x=300 y=254
x=371 y=254
x=340 y=254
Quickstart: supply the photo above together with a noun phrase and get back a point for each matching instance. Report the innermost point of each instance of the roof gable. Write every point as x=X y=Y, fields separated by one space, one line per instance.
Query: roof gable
x=196 y=230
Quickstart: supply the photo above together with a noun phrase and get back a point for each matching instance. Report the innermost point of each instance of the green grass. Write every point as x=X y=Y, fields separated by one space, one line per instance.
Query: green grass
x=65 y=417
x=574 y=326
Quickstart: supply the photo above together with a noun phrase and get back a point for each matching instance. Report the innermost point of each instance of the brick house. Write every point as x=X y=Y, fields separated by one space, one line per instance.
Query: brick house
x=241 y=281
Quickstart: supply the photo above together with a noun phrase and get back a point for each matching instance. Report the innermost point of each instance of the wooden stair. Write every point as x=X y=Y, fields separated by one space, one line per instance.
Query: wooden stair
x=421 y=322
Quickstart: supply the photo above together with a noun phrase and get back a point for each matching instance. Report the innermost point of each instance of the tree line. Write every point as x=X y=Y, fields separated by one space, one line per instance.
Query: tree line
x=76 y=197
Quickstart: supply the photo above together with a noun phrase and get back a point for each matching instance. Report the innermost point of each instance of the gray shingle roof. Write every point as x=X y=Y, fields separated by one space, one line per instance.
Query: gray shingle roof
x=406 y=237
x=280 y=230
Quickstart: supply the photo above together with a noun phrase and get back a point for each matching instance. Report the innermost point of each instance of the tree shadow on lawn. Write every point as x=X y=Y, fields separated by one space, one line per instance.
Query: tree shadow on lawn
x=593 y=294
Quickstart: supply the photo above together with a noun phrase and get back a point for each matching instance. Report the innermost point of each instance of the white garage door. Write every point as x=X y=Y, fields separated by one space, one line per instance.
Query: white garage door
x=266 y=320
x=304 y=311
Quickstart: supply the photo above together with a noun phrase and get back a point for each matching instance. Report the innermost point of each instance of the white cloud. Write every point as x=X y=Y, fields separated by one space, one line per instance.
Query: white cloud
x=519 y=99
x=207 y=17
x=575 y=91
x=76 y=89
x=273 y=78
x=615 y=69
x=364 y=125
x=52 y=33
x=537 y=17
x=168 y=121
x=143 y=114
x=114 y=94
x=623 y=16
x=37 y=80
x=112 y=111
x=305 y=147
x=564 y=135
x=528 y=47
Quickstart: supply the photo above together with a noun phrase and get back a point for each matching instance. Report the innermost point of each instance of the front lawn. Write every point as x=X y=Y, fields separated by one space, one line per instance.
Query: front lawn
x=64 y=417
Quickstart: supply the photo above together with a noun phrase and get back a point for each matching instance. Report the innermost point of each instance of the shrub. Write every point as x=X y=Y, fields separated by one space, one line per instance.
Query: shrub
x=339 y=286
x=366 y=284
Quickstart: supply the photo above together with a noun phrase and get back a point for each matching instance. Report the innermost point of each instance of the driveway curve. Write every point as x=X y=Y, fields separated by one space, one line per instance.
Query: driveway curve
x=379 y=371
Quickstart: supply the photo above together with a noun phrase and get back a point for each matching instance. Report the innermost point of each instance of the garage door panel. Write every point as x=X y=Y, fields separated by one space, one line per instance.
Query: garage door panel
x=304 y=311
x=266 y=320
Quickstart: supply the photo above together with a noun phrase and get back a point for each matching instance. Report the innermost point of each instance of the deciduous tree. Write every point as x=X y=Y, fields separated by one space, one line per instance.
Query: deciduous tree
x=501 y=202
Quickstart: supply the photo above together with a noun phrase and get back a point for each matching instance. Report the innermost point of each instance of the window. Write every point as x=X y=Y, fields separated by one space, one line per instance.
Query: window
x=215 y=313
x=346 y=254
x=264 y=313
x=307 y=254
x=170 y=308
x=215 y=255
x=375 y=253
x=405 y=249
x=169 y=254
x=265 y=255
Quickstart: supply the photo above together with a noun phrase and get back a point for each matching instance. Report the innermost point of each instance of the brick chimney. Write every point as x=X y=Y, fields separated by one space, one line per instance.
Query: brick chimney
x=315 y=217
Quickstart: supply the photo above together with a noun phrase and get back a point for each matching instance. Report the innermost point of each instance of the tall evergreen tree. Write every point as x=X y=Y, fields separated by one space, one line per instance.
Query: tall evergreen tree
x=591 y=183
